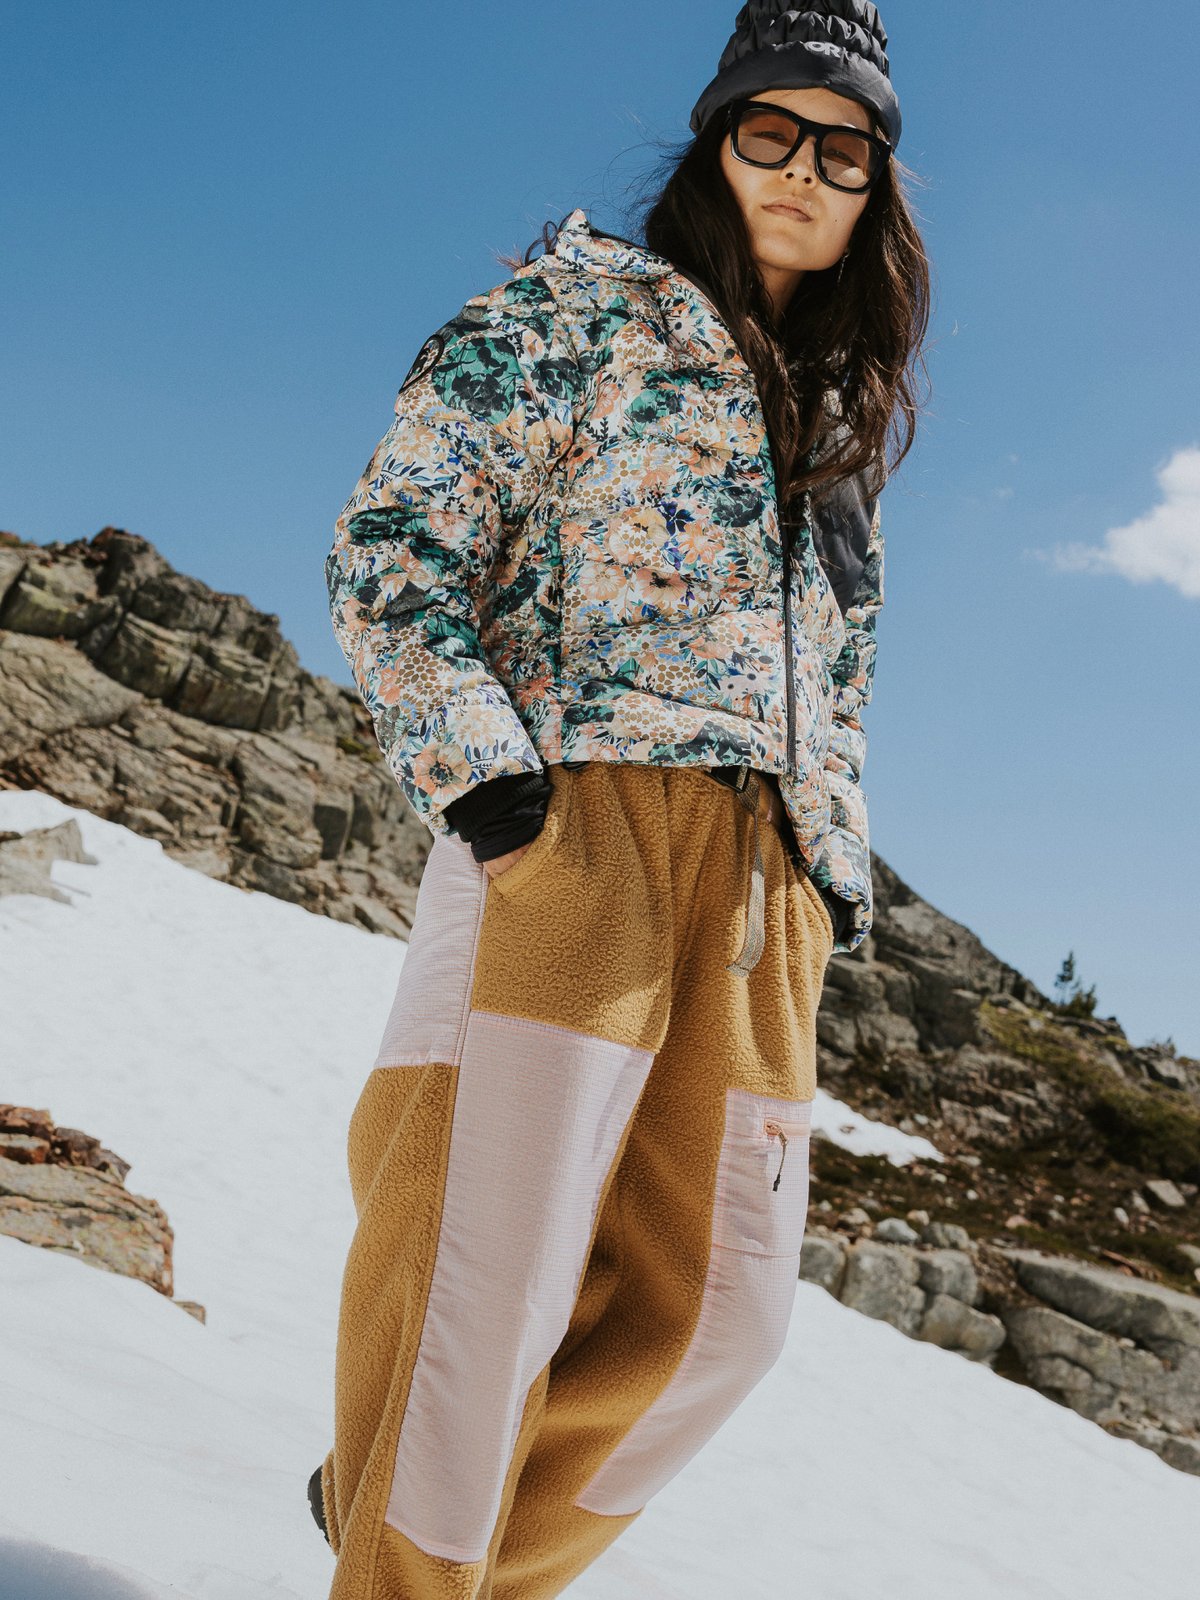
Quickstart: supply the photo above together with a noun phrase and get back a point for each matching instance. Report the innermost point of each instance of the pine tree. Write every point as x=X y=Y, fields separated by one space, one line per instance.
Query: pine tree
x=1065 y=979
x=1074 y=999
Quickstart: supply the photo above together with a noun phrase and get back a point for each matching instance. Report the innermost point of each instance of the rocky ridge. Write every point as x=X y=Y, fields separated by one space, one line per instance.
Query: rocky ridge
x=141 y=695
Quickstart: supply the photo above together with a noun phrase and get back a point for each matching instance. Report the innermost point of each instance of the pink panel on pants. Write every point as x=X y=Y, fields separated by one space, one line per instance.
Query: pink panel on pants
x=428 y=1018
x=538 y=1118
x=746 y=1305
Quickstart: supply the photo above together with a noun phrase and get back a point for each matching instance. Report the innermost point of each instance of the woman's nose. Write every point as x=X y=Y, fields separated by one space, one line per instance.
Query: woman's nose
x=803 y=162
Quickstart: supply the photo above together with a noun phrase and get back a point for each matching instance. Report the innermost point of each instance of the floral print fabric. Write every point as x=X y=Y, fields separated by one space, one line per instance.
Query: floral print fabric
x=566 y=546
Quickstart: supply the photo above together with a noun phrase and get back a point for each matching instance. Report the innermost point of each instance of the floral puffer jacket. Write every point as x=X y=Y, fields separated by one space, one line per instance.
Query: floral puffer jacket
x=567 y=547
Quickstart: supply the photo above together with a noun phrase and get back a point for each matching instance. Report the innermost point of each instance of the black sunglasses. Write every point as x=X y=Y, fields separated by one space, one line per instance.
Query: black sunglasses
x=766 y=135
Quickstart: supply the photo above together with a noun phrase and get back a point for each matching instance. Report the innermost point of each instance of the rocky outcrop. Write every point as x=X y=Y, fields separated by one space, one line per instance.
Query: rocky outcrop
x=921 y=1285
x=1122 y=1351
x=26 y=859
x=145 y=697
x=62 y=1189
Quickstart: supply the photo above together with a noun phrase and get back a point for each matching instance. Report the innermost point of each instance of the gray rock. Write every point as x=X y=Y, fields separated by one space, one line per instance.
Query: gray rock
x=881 y=1282
x=1182 y=1453
x=1163 y=1066
x=950 y=1323
x=823 y=1261
x=1100 y=1377
x=946 y=1235
x=143 y=656
x=141 y=695
x=55 y=600
x=12 y=565
x=949 y=1272
x=894 y=1230
x=856 y=1217
x=26 y=859
x=1160 y=1319
x=1162 y=1192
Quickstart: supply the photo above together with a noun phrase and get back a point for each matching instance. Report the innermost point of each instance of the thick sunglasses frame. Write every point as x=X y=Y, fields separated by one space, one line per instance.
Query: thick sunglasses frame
x=804 y=127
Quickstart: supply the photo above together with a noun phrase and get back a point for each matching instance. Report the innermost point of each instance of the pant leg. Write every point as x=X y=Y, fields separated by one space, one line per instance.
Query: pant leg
x=688 y=1291
x=481 y=1152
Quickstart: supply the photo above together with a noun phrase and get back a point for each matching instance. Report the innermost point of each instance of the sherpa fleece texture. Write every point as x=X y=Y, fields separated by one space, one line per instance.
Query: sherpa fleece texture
x=567 y=546
x=580 y=1170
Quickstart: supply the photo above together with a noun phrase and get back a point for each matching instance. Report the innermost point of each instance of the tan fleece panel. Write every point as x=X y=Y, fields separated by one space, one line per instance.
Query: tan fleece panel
x=579 y=931
x=615 y=927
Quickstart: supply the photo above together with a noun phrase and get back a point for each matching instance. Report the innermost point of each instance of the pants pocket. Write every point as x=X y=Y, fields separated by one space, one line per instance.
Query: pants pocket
x=817 y=905
x=544 y=844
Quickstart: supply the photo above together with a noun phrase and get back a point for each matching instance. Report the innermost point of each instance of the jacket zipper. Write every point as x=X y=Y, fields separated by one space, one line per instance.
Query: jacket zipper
x=788 y=691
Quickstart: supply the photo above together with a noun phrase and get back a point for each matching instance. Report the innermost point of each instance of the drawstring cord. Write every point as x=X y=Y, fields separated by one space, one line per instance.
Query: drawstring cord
x=756 y=934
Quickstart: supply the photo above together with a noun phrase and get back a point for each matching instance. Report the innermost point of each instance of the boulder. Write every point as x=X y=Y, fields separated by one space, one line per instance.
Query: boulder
x=881 y=1282
x=61 y=1189
x=950 y=1323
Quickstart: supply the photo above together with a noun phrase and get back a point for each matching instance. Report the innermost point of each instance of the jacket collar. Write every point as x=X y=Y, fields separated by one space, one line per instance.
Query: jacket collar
x=693 y=317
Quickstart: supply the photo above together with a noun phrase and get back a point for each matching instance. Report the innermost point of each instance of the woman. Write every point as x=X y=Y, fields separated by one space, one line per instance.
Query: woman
x=608 y=586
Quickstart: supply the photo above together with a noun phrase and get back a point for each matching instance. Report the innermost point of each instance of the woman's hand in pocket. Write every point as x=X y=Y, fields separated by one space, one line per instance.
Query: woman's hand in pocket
x=496 y=867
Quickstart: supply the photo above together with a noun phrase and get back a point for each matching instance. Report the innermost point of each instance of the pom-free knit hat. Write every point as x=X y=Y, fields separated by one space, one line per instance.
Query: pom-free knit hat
x=832 y=44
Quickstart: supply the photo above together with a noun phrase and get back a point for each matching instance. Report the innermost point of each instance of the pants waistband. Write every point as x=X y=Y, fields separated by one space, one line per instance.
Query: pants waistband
x=769 y=798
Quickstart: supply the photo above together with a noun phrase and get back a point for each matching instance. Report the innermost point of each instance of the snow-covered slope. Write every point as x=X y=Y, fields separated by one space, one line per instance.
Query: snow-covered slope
x=217 y=1040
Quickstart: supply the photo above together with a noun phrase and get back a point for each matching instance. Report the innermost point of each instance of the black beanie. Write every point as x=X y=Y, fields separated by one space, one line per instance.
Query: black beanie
x=834 y=44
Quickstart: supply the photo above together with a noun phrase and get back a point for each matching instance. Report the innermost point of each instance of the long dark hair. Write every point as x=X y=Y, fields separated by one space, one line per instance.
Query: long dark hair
x=836 y=375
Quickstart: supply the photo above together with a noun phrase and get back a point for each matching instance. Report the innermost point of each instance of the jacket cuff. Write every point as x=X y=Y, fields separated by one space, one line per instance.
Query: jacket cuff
x=841 y=912
x=506 y=833
x=502 y=800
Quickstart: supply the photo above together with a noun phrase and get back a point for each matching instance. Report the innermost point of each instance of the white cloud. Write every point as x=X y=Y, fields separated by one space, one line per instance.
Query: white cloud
x=1162 y=544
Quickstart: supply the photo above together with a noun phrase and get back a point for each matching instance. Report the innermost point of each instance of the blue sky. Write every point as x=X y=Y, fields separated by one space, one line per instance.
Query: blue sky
x=229 y=228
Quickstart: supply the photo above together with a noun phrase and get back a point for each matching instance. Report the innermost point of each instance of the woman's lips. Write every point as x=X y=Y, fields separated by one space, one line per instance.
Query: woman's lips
x=789 y=211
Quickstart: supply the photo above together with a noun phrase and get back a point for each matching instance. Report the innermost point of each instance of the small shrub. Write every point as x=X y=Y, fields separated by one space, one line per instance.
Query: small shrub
x=351 y=746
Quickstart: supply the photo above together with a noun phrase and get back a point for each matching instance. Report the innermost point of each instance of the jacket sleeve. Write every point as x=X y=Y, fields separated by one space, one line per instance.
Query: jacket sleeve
x=486 y=411
x=844 y=865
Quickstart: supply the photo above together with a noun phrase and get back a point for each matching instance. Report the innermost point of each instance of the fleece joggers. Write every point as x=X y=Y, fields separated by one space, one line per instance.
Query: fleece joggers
x=580 y=1169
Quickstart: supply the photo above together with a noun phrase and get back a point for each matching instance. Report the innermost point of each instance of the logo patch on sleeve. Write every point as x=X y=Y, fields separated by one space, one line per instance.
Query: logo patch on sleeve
x=428 y=357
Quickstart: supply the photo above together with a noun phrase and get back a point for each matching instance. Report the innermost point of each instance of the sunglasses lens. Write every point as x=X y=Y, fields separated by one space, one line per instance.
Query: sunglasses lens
x=847 y=160
x=764 y=137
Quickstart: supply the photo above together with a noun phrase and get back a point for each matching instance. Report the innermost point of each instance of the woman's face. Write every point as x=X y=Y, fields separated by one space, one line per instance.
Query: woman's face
x=785 y=246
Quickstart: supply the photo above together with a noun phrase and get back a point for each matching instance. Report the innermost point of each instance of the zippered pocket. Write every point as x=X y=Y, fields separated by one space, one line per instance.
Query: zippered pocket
x=763 y=1182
